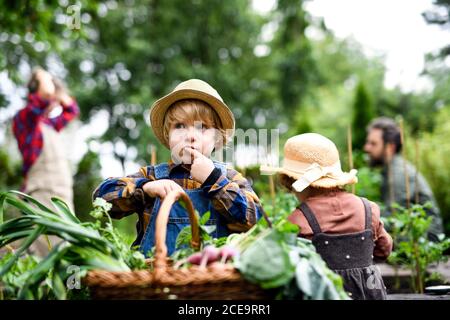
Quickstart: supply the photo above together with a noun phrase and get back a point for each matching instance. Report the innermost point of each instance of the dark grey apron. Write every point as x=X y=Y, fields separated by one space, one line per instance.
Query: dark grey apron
x=351 y=256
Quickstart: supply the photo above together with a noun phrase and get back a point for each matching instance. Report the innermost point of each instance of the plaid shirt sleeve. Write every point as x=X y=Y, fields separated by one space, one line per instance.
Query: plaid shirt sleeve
x=126 y=194
x=234 y=198
x=69 y=112
x=26 y=130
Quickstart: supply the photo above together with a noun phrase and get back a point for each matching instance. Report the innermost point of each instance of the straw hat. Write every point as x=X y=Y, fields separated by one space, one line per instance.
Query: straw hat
x=312 y=160
x=190 y=89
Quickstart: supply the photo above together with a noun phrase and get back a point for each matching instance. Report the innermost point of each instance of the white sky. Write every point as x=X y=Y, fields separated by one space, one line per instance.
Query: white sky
x=395 y=28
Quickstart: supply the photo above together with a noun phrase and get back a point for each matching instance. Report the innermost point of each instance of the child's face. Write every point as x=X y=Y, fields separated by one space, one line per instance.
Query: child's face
x=196 y=135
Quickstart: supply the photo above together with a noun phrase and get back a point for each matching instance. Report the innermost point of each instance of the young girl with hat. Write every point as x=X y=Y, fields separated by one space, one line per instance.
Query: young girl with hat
x=191 y=121
x=345 y=229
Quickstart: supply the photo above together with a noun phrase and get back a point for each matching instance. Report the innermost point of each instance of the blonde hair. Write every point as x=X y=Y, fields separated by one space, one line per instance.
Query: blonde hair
x=191 y=110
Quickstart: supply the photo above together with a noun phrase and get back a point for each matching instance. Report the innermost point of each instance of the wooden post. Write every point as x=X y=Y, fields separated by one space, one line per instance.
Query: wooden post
x=271 y=182
x=390 y=184
x=403 y=140
x=153 y=155
x=416 y=176
x=272 y=190
x=350 y=152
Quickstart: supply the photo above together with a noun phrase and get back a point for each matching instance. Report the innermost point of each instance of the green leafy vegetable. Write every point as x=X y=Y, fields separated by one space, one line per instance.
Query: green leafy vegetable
x=85 y=245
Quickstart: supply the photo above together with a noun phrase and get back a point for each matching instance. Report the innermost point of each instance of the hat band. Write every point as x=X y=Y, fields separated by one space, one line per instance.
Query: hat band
x=303 y=167
x=311 y=172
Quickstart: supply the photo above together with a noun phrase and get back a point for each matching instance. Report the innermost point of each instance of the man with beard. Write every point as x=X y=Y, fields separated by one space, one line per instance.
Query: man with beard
x=383 y=146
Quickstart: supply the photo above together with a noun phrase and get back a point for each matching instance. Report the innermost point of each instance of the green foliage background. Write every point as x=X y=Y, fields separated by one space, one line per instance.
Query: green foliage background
x=127 y=54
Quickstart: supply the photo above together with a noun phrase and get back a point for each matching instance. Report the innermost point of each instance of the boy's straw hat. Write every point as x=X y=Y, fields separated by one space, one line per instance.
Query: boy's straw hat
x=190 y=89
x=312 y=160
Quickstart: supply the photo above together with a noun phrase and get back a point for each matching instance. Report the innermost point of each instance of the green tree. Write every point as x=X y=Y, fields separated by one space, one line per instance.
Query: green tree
x=297 y=72
x=143 y=49
x=341 y=63
x=363 y=112
x=440 y=15
x=86 y=180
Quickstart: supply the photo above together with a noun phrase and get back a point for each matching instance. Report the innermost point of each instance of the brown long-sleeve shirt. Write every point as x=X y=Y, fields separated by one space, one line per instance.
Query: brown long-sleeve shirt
x=341 y=212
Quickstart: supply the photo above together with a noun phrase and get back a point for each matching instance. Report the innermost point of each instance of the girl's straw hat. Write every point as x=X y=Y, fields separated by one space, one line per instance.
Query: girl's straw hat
x=190 y=89
x=312 y=160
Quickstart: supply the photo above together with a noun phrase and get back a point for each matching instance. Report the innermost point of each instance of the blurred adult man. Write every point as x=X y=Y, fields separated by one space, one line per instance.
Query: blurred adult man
x=383 y=146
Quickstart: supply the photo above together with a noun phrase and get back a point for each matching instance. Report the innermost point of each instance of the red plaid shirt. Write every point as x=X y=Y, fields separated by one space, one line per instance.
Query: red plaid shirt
x=27 y=130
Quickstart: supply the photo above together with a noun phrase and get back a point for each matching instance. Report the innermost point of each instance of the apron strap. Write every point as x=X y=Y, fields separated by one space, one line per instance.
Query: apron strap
x=309 y=215
x=368 y=214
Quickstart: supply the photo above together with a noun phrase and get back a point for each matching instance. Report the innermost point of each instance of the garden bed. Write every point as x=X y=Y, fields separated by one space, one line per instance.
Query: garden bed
x=417 y=296
x=398 y=282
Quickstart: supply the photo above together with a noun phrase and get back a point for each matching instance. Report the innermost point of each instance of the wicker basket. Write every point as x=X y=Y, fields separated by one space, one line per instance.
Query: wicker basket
x=215 y=282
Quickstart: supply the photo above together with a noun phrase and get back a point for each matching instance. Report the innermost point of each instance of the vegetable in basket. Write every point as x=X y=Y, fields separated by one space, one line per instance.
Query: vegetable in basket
x=272 y=257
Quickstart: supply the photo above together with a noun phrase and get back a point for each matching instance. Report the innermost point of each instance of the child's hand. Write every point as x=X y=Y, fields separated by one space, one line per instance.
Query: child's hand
x=160 y=188
x=201 y=166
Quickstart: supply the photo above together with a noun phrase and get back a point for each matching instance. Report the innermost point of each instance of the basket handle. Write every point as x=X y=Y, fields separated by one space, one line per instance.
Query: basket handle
x=161 y=226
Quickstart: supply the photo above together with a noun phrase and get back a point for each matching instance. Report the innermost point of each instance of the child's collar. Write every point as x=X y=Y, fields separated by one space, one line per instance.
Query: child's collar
x=173 y=165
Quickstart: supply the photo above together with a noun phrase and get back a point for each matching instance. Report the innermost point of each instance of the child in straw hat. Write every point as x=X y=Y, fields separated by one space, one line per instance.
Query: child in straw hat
x=345 y=229
x=191 y=121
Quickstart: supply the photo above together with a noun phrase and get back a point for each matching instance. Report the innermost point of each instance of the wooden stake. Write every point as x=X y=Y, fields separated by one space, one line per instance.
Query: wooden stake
x=416 y=176
x=390 y=183
x=271 y=182
x=272 y=190
x=350 y=152
x=403 y=140
x=153 y=155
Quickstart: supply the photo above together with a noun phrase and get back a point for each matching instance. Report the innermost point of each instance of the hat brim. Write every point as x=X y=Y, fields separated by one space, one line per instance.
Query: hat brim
x=346 y=178
x=159 y=109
